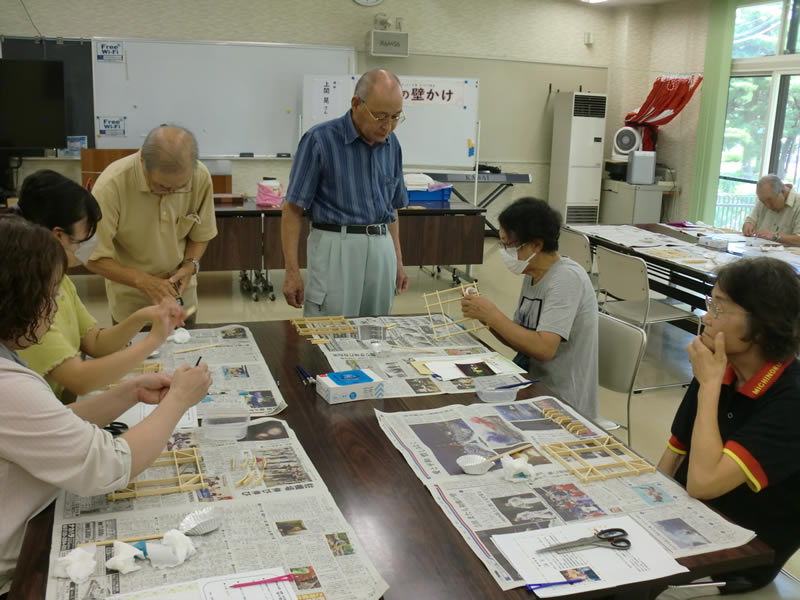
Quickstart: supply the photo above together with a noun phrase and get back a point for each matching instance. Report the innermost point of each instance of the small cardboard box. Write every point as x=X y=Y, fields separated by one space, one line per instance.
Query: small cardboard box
x=348 y=386
x=712 y=242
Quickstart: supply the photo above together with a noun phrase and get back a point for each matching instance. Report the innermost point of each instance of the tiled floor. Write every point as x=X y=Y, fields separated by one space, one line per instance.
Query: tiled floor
x=221 y=301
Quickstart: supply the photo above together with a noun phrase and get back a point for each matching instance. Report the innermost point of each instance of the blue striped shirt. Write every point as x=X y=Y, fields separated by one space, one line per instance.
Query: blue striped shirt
x=341 y=180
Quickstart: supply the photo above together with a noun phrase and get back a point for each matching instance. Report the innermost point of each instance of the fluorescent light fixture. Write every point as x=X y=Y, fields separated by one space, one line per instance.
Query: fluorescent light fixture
x=594 y=1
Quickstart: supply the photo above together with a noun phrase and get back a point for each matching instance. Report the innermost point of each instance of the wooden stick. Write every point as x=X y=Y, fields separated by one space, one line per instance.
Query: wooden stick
x=197 y=348
x=191 y=310
x=412 y=348
x=157 y=536
x=514 y=451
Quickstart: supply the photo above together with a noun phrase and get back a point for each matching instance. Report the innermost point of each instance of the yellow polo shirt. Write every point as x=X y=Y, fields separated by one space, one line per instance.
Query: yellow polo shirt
x=785 y=221
x=63 y=339
x=148 y=231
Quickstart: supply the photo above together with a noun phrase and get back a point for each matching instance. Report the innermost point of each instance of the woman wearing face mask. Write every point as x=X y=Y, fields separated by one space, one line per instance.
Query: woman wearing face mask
x=554 y=329
x=49 y=199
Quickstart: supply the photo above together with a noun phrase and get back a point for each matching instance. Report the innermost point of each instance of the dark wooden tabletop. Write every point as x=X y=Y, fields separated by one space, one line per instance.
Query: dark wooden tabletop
x=410 y=542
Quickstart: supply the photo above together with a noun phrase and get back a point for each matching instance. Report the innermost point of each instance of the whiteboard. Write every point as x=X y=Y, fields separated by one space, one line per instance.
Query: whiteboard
x=442 y=115
x=234 y=96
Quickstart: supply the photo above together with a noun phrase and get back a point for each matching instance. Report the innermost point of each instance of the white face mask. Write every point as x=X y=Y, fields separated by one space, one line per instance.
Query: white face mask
x=85 y=249
x=512 y=263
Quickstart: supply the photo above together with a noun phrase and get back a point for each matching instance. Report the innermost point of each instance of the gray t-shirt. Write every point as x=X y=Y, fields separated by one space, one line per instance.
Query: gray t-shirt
x=563 y=302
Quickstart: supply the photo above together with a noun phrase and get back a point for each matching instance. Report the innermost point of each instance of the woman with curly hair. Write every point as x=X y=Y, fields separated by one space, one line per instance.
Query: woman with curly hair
x=71 y=213
x=44 y=445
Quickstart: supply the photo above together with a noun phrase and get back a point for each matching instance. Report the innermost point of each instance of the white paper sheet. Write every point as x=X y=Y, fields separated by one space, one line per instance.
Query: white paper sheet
x=475 y=365
x=600 y=568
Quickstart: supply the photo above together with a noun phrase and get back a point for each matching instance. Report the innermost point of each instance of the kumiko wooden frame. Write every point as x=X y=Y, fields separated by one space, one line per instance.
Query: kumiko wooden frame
x=167 y=485
x=622 y=461
x=323 y=326
x=436 y=303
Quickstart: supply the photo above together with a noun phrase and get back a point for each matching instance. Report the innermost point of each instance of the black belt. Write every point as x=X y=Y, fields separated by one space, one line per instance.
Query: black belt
x=379 y=229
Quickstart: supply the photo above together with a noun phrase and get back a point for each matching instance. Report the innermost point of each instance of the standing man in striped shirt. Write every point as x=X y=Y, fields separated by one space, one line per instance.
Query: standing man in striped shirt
x=348 y=176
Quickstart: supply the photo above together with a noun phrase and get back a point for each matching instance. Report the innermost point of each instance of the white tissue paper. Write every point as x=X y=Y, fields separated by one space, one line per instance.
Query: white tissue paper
x=77 y=565
x=124 y=559
x=174 y=550
x=180 y=336
x=516 y=469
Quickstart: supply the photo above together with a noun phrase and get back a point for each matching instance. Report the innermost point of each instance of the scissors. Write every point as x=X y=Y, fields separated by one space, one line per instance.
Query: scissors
x=615 y=539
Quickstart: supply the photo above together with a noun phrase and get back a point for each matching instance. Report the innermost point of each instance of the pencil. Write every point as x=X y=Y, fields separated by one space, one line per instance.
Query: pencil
x=199 y=358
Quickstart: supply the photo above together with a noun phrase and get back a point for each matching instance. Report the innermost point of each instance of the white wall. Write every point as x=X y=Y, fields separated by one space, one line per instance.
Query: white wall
x=635 y=43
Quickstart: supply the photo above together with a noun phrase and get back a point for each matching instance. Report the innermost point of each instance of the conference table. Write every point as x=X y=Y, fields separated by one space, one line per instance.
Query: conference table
x=410 y=542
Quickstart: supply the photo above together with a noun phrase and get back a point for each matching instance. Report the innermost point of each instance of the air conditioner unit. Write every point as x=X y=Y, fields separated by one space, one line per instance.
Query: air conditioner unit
x=576 y=159
x=626 y=140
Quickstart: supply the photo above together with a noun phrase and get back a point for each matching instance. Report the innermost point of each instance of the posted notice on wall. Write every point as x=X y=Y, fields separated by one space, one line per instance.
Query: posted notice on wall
x=111 y=126
x=109 y=51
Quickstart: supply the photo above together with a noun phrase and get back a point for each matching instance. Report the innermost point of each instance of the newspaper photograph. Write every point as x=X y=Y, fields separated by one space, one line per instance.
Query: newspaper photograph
x=398 y=349
x=275 y=512
x=240 y=374
x=482 y=506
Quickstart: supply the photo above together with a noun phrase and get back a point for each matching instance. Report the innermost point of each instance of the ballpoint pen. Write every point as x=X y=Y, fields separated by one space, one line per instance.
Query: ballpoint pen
x=309 y=379
x=199 y=358
x=513 y=385
x=299 y=370
x=536 y=586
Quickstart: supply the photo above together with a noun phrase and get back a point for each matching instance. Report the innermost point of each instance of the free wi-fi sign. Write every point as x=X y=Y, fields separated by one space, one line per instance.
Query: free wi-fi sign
x=109 y=51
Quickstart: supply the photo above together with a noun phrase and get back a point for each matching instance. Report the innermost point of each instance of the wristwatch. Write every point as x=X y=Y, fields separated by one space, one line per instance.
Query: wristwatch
x=195 y=262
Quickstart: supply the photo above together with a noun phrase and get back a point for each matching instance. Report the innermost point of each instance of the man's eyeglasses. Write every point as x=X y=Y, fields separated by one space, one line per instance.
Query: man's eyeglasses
x=384 y=118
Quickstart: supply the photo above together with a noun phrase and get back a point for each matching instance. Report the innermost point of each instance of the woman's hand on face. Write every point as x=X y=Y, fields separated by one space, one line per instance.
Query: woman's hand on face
x=708 y=366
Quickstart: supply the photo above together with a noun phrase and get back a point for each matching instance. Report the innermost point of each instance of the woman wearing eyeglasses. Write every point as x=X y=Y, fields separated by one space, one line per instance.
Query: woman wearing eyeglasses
x=734 y=439
x=45 y=446
x=59 y=204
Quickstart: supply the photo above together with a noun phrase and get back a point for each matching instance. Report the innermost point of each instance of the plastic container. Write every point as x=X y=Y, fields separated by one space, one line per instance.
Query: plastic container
x=424 y=197
x=474 y=464
x=491 y=395
x=226 y=423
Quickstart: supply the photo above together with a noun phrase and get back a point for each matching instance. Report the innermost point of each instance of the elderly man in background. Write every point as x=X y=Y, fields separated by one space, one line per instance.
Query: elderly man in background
x=776 y=216
x=158 y=217
x=348 y=176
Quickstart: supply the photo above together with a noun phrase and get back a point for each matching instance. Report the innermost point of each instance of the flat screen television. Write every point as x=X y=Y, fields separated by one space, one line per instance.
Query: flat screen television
x=32 y=113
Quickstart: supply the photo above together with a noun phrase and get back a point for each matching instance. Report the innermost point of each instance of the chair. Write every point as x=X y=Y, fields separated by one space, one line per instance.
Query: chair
x=620 y=351
x=575 y=245
x=624 y=277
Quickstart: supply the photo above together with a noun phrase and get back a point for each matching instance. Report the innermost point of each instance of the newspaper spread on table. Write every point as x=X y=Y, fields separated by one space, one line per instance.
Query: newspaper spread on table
x=238 y=370
x=480 y=506
x=630 y=236
x=287 y=519
x=408 y=341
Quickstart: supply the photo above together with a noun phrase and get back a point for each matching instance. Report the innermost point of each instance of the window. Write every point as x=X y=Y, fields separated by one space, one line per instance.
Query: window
x=742 y=149
x=757 y=30
x=762 y=120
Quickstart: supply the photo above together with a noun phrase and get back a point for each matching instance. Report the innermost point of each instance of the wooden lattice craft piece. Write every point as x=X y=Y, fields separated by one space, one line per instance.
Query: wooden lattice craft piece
x=618 y=461
x=323 y=326
x=439 y=302
x=167 y=485
x=572 y=425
